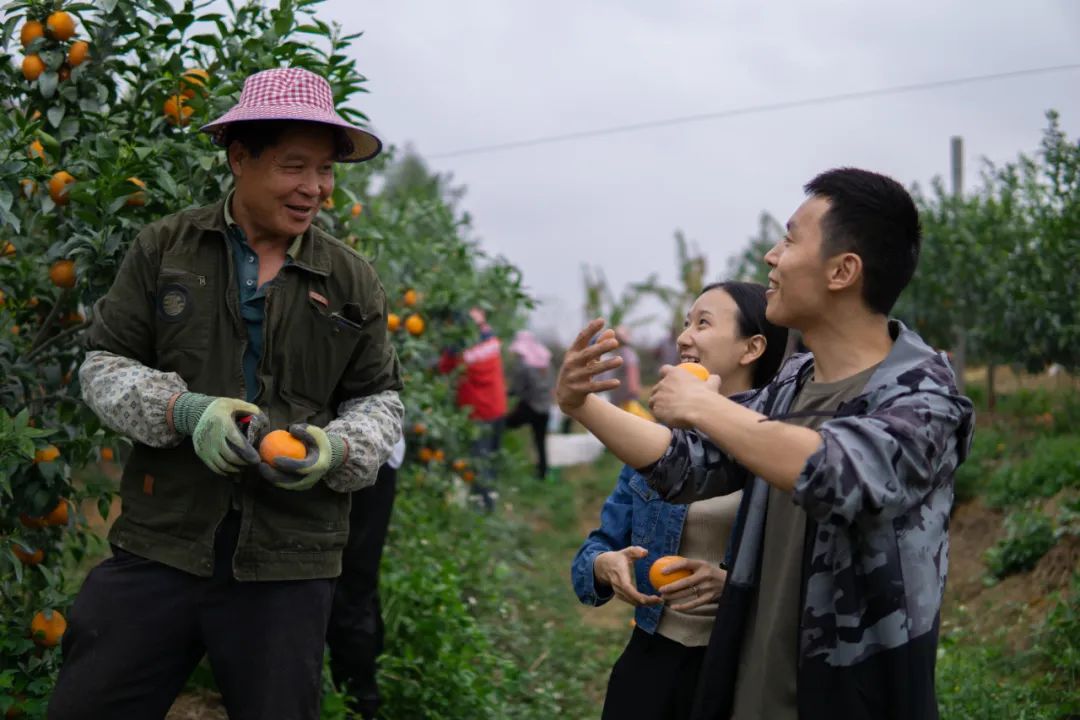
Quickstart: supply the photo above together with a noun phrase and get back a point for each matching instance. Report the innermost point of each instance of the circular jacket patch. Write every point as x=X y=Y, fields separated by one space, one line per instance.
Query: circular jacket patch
x=174 y=303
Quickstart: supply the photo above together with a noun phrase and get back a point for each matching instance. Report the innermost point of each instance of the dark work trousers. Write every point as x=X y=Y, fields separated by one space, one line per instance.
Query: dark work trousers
x=483 y=450
x=138 y=628
x=654 y=679
x=355 y=635
x=523 y=414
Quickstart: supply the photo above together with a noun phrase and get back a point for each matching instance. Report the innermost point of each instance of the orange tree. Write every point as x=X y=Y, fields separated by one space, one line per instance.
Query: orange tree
x=98 y=136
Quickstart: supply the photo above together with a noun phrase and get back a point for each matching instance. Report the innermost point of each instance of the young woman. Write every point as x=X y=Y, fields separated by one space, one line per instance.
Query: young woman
x=726 y=331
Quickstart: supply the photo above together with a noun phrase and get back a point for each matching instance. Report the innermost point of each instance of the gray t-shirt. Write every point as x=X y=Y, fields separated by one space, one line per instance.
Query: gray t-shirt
x=768 y=667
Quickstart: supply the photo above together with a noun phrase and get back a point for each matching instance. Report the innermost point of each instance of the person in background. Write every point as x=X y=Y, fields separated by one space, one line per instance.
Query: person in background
x=531 y=384
x=355 y=633
x=482 y=389
x=655 y=677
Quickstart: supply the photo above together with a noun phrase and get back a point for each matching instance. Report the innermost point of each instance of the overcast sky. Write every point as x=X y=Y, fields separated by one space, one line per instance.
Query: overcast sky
x=446 y=76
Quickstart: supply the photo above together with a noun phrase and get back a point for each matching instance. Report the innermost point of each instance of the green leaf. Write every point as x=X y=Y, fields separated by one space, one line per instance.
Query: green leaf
x=55 y=115
x=47 y=84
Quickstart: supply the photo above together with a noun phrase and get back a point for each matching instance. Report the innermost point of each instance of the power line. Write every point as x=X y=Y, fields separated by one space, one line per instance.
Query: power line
x=753 y=110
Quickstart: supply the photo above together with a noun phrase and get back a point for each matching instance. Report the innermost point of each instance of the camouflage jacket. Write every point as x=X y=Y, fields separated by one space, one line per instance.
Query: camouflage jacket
x=877 y=493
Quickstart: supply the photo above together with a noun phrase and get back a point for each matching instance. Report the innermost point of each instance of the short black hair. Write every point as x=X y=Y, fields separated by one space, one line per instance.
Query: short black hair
x=257 y=135
x=749 y=297
x=874 y=217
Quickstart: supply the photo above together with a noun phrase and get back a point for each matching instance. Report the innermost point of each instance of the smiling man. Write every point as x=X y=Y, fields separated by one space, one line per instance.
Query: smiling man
x=224 y=322
x=846 y=460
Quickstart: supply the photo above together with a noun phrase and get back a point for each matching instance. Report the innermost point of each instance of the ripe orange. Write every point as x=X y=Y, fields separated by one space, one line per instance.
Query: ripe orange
x=15 y=329
x=656 y=576
x=414 y=324
x=410 y=298
x=59 y=515
x=107 y=454
x=46 y=454
x=78 y=52
x=460 y=465
x=176 y=112
x=37 y=150
x=280 y=443
x=426 y=455
x=48 y=627
x=58 y=187
x=357 y=208
x=196 y=77
x=31 y=522
x=9 y=249
x=438 y=455
x=26 y=555
x=62 y=274
x=32 y=67
x=468 y=476
x=31 y=31
x=138 y=198
x=419 y=429
x=696 y=369
x=61 y=25
x=393 y=322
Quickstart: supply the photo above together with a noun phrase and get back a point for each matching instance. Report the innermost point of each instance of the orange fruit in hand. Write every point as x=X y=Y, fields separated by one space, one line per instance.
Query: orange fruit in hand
x=656 y=576
x=78 y=53
x=58 y=187
x=410 y=298
x=696 y=369
x=176 y=112
x=46 y=454
x=414 y=324
x=48 y=627
x=393 y=322
x=62 y=274
x=32 y=67
x=27 y=556
x=31 y=31
x=61 y=25
x=281 y=443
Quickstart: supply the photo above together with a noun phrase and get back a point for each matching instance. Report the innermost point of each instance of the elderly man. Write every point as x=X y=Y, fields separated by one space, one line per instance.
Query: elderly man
x=224 y=322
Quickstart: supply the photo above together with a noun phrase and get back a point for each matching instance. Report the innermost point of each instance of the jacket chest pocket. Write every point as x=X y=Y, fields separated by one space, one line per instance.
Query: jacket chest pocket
x=182 y=310
x=647 y=505
x=321 y=345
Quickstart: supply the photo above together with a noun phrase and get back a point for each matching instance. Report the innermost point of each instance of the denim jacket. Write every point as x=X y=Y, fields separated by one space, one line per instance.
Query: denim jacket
x=634 y=514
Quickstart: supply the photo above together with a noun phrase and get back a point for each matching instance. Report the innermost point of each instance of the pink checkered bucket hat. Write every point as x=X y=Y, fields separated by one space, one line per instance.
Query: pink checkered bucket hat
x=293 y=94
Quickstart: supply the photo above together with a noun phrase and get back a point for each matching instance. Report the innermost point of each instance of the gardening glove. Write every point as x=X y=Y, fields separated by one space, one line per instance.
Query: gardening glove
x=324 y=453
x=213 y=426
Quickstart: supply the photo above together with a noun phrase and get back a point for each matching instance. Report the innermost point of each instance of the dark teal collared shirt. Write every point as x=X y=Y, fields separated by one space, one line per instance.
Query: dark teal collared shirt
x=252 y=297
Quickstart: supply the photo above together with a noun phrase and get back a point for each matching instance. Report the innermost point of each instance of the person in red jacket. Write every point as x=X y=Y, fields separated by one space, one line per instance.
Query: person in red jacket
x=482 y=388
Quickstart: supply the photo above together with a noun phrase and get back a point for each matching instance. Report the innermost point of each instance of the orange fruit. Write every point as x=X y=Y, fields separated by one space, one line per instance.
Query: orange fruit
x=15 y=329
x=196 y=77
x=468 y=476
x=28 y=186
x=61 y=25
x=438 y=456
x=107 y=454
x=58 y=187
x=460 y=465
x=32 y=67
x=328 y=203
x=419 y=429
x=280 y=443
x=46 y=454
x=393 y=322
x=31 y=522
x=31 y=31
x=59 y=515
x=27 y=556
x=410 y=298
x=48 y=627
x=78 y=52
x=176 y=112
x=37 y=150
x=426 y=455
x=656 y=576
x=2 y=298
x=62 y=274
x=357 y=208
x=9 y=249
x=138 y=198
x=696 y=369
x=74 y=318
x=414 y=324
